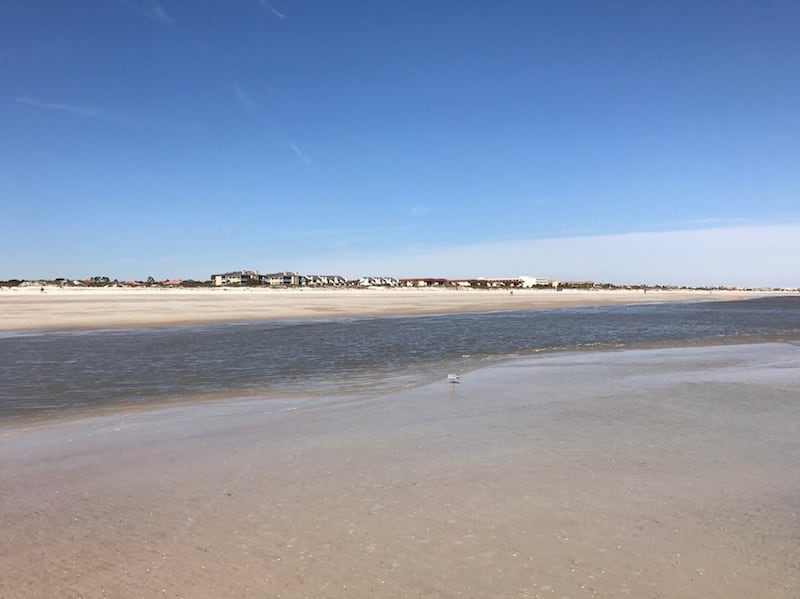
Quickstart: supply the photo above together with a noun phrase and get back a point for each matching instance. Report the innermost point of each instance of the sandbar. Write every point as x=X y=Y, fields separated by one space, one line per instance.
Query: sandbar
x=63 y=308
x=642 y=473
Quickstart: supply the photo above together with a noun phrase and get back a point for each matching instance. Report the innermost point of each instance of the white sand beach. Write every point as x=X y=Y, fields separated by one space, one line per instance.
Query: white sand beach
x=60 y=308
x=640 y=473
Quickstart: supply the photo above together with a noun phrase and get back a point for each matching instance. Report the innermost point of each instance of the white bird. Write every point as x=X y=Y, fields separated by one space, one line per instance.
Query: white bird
x=452 y=378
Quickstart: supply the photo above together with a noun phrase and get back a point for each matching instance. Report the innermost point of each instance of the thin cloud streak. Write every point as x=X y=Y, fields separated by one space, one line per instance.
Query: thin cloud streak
x=151 y=10
x=272 y=10
x=244 y=98
x=80 y=111
x=299 y=153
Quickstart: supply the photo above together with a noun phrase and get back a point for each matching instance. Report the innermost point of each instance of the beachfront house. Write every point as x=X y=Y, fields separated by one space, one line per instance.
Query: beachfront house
x=282 y=279
x=424 y=282
x=496 y=283
x=324 y=281
x=235 y=278
x=377 y=282
x=528 y=282
x=276 y=279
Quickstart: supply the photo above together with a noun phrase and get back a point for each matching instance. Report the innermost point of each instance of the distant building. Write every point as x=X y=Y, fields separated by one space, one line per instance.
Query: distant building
x=484 y=283
x=276 y=279
x=424 y=282
x=281 y=279
x=323 y=281
x=495 y=283
x=528 y=282
x=235 y=278
x=377 y=282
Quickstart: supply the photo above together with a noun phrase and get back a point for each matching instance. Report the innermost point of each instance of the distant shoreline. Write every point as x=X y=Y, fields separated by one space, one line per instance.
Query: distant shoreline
x=57 y=308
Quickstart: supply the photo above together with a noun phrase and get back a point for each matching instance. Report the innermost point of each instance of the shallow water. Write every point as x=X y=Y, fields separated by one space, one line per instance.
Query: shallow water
x=643 y=473
x=50 y=373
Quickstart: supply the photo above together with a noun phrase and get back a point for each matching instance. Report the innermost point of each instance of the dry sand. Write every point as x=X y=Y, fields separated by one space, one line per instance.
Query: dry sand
x=29 y=308
x=642 y=473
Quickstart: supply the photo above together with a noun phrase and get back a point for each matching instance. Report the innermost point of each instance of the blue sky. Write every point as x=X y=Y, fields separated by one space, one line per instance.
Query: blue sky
x=442 y=138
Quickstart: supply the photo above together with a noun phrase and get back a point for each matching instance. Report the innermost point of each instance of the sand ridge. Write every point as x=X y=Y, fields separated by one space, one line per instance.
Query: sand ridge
x=63 y=308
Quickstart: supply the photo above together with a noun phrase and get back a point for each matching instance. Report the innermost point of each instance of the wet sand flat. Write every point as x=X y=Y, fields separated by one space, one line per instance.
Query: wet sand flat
x=641 y=473
x=60 y=308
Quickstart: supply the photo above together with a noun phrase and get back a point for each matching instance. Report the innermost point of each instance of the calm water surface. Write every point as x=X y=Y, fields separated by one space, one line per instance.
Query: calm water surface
x=47 y=373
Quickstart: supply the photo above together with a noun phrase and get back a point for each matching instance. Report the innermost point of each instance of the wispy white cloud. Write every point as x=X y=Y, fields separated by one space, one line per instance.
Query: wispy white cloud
x=272 y=10
x=80 y=111
x=420 y=209
x=151 y=10
x=299 y=153
x=244 y=98
x=742 y=255
x=160 y=15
